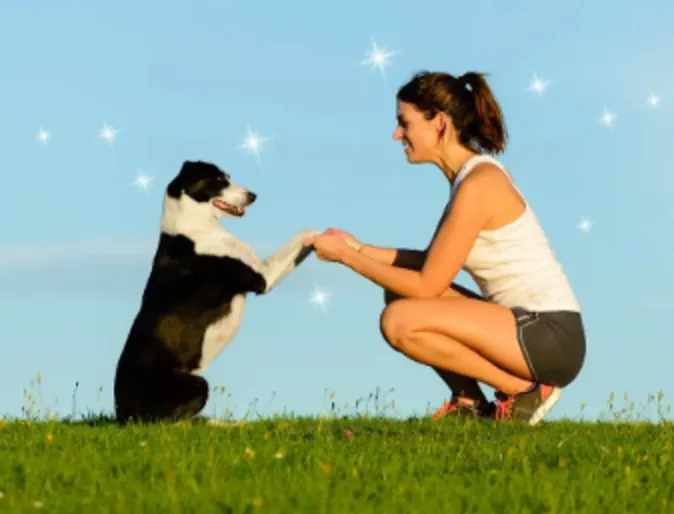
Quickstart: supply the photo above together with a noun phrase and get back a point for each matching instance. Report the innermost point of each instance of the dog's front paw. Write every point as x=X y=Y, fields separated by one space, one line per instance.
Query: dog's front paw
x=309 y=232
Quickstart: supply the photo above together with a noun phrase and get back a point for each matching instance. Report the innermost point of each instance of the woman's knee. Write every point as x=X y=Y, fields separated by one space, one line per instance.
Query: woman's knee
x=393 y=324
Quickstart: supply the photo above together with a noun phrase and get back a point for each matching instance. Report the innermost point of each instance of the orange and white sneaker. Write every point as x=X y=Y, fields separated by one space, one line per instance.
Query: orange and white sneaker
x=529 y=407
x=454 y=407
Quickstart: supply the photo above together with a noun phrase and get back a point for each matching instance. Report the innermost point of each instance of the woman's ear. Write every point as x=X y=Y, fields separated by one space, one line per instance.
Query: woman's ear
x=443 y=125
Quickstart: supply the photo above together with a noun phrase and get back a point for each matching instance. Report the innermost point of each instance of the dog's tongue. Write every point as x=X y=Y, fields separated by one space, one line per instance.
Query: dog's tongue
x=226 y=207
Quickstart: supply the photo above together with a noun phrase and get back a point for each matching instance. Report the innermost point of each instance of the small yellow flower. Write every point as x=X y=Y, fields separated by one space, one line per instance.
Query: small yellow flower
x=250 y=452
x=49 y=437
x=326 y=468
x=278 y=455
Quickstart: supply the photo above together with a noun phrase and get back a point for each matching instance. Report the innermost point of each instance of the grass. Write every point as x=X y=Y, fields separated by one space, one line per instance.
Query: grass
x=363 y=462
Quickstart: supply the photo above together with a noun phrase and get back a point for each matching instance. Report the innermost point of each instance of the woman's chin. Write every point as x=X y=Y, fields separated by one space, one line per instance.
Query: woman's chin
x=411 y=158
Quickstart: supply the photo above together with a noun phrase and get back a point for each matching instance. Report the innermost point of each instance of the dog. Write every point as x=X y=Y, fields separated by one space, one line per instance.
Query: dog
x=194 y=299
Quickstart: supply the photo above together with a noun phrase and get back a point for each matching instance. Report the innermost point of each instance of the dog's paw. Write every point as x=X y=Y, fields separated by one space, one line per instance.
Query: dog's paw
x=309 y=232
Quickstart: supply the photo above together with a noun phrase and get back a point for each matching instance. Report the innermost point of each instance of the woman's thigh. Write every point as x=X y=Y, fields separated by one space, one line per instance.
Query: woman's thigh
x=487 y=328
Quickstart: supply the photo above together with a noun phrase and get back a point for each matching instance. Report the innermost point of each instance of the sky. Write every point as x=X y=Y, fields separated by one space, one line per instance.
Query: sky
x=191 y=80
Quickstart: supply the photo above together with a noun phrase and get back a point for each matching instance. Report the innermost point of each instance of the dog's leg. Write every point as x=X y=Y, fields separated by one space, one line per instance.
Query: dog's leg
x=276 y=267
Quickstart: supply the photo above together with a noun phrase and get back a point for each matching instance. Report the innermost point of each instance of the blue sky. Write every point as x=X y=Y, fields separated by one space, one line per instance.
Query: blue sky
x=184 y=81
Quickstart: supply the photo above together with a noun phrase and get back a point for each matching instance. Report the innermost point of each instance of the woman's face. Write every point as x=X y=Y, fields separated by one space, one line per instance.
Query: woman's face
x=418 y=135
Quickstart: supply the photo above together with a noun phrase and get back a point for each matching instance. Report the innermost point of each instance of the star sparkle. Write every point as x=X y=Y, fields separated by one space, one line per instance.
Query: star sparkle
x=108 y=133
x=607 y=118
x=537 y=85
x=43 y=136
x=143 y=180
x=653 y=100
x=319 y=298
x=253 y=143
x=378 y=58
x=585 y=224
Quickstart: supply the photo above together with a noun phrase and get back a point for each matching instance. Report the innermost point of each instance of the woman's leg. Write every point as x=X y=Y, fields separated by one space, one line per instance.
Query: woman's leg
x=469 y=337
x=472 y=338
x=465 y=390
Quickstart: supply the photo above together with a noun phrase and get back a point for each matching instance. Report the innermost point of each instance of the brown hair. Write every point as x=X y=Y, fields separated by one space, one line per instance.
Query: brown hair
x=467 y=100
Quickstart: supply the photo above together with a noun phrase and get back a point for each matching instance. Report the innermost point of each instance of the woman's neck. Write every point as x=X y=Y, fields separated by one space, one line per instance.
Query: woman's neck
x=451 y=160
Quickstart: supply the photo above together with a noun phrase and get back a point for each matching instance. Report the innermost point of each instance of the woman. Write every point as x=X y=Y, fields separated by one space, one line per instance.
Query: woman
x=525 y=337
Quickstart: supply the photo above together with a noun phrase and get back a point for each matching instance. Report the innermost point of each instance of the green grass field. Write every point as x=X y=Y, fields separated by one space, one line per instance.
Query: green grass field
x=334 y=463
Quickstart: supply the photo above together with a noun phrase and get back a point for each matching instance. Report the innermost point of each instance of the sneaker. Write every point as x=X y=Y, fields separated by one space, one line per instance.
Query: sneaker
x=529 y=407
x=457 y=408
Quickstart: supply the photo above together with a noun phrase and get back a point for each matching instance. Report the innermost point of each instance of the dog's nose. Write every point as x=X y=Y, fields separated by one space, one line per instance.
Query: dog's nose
x=251 y=197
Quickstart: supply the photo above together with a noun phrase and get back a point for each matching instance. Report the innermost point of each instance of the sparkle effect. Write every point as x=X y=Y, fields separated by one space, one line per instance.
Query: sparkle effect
x=253 y=143
x=585 y=225
x=319 y=298
x=142 y=181
x=537 y=85
x=653 y=100
x=607 y=118
x=108 y=133
x=378 y=58
x=43 y=136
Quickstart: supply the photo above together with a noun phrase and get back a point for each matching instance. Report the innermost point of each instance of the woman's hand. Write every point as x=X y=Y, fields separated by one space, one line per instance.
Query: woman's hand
x=329 y=247
x=343 y=234
x=350 y=240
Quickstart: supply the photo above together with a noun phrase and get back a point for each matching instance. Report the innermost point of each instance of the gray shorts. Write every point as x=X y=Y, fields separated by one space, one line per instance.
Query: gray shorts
x=553 y=344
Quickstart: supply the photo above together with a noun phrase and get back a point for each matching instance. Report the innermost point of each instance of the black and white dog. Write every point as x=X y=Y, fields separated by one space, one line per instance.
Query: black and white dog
x=194 y=299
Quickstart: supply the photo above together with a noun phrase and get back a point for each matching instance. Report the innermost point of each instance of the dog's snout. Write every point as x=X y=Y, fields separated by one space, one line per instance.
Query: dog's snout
x=251 y=197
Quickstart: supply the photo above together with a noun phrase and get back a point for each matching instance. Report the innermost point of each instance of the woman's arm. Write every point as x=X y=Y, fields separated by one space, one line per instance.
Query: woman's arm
x=399 y=257
x=470 y=210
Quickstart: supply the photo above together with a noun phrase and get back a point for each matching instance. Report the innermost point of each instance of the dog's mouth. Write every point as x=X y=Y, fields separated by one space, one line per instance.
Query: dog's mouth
x=234 y=210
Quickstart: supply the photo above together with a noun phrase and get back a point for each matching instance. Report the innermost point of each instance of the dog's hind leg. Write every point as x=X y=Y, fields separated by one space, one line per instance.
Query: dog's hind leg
x=276 y=267
x=170 y=396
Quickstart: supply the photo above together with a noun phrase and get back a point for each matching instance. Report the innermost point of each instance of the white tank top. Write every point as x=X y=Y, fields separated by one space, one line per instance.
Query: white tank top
x=514 y=265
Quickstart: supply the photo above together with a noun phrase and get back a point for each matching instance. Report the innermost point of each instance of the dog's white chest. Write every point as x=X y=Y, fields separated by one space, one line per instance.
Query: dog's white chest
x=221 y=333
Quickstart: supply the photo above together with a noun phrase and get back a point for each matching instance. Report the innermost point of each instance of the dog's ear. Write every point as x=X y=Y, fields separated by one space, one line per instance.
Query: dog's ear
x=185 y=176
